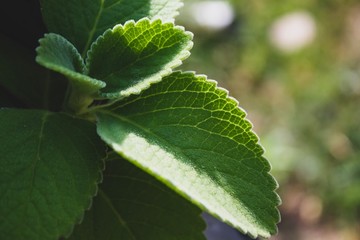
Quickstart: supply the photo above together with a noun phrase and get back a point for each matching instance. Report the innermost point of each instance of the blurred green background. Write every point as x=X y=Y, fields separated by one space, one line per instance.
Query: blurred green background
x=294 y=66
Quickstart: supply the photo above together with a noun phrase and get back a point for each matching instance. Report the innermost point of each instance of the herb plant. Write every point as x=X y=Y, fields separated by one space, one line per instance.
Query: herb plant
x=136 y=149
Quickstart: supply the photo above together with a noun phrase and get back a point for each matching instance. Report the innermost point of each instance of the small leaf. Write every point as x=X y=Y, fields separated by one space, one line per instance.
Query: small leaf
x=133 y=205
x=193 y=137
x=82 y=21
x=131 y=57
x=59 y=55
x=49 y=169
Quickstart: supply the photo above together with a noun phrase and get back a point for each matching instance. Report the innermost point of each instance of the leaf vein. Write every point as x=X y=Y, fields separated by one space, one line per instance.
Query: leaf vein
x=117 y=214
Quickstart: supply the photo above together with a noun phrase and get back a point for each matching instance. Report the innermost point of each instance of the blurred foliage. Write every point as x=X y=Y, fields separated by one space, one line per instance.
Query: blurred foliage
x=303 y=104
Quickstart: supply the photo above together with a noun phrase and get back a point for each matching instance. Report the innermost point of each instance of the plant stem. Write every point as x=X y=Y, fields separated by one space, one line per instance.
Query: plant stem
x=76 y=101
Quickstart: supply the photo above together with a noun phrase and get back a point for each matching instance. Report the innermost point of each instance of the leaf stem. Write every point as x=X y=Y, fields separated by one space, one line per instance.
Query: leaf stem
x=76 y=101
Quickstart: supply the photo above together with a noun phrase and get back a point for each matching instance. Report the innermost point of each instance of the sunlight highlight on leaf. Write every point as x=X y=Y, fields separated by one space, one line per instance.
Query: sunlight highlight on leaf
x=88 y=19
x=167 y=165
x=130 y=58
x=193 y=137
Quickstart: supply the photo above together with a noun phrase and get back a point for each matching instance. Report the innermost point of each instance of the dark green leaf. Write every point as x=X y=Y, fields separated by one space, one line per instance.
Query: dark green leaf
x=50 y=166
x=193 y=137
x=131 y=57
x=133 y=205
x=82 y=21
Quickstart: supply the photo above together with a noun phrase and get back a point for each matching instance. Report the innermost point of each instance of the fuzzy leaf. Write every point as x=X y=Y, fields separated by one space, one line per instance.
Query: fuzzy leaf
x=82 y=21
x=59 y=55
x=131 y=57
x=193 y=137
x=132 y=205
x=49 y=169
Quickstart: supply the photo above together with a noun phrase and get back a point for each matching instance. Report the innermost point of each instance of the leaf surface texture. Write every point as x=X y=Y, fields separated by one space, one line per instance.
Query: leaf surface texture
x=58 y=54
x=132 y=56
x=132 y=205
x=193 y=137
x=82 y=21
x=50 y=166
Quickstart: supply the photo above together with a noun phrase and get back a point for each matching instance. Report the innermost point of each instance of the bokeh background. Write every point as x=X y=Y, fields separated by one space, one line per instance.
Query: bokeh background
x=294 y=66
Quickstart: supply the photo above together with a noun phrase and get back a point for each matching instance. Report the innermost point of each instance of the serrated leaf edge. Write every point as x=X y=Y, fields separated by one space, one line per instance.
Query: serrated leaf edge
x=179 y=4
x=251 y=131
x=141 y=86
x=80 y=218
x=275 y=186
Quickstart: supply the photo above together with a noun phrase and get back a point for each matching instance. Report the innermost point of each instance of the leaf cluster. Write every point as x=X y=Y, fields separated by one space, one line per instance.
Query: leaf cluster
x=142 y=147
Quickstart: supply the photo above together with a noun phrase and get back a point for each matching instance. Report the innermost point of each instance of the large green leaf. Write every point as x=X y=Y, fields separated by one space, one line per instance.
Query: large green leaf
x=49 y=169
x=192 y=136
x=131 y=57
x=133 y=205
x=82 y=21
x=26 y=80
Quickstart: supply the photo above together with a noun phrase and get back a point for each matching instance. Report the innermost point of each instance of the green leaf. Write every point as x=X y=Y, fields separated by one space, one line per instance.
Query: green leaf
x=59 y=55
x=82 y=21
x=26 y=80
x=193 y=137
x=49 y=170
x=131 y=57
x=133 y=205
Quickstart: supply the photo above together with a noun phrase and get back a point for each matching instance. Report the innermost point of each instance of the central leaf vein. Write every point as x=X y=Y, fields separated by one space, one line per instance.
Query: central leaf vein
x=93 y=29
x=117 y=214
x=38 y=152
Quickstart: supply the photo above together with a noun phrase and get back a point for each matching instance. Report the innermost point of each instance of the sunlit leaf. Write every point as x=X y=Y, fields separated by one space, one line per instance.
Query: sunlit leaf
x=193 y=137
x=131 y=57
x=82 y=21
